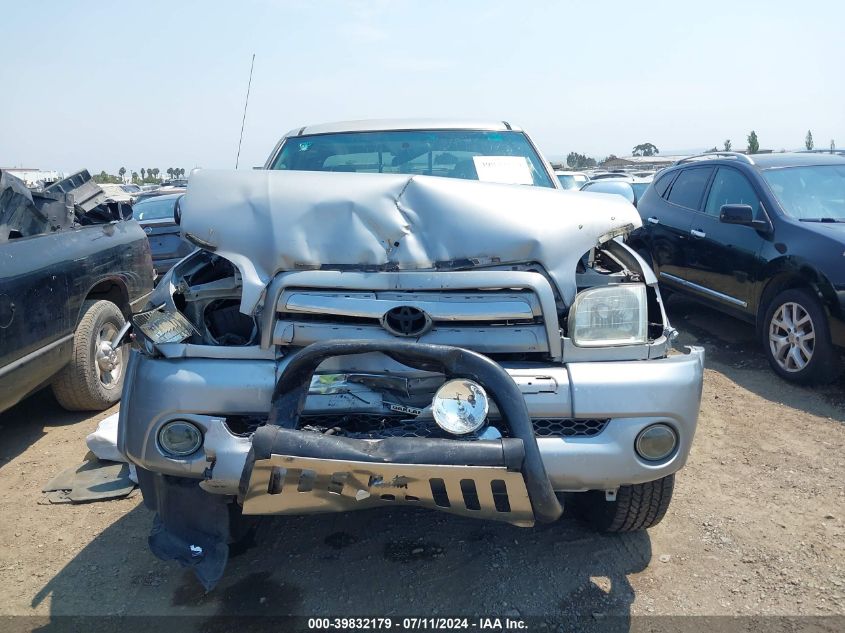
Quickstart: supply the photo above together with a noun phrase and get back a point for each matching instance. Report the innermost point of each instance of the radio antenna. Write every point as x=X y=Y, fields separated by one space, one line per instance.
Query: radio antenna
x=246 y=103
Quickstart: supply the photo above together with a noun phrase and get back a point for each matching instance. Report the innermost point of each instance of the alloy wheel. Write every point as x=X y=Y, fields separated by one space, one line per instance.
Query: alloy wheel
x=792 y=337
x=109 y=360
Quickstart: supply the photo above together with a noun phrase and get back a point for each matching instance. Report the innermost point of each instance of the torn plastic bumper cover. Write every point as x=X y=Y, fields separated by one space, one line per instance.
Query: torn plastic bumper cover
x=507 y=478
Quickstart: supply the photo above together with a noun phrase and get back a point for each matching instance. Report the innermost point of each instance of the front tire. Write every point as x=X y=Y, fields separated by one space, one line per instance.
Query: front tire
x=637 y=507
x=93 y=379
x=796 y=338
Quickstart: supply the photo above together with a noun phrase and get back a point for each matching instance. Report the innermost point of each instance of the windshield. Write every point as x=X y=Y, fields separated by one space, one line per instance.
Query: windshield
x=505 y=157
x=814 y=193
x=154 y=209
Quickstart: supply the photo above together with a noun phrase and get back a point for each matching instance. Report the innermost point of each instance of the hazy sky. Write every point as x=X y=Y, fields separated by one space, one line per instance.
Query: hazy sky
x=162 y=84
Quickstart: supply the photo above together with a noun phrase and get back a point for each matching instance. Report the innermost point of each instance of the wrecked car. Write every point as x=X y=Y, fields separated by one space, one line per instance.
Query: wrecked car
x=343 y=341
x=73 y=266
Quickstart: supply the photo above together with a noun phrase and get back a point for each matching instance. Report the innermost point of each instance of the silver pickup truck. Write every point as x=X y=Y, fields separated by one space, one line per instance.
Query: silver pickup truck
x=403 y=313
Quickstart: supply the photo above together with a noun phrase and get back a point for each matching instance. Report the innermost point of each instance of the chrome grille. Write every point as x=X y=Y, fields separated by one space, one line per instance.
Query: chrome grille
x=489 y=321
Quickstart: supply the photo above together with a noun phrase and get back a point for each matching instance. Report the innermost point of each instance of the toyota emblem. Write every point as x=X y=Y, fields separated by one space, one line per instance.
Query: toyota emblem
x=406 y=321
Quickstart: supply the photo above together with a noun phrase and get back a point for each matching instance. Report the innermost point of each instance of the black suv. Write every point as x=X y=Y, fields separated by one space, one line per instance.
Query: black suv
x=760 y=237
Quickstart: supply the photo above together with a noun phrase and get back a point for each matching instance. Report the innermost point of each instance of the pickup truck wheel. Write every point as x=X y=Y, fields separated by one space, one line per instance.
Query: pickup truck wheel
x=637 y=507
x=93 y=379
x=796 y=338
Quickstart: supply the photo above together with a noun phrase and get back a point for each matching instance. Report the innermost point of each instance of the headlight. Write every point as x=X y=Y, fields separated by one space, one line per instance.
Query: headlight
x=460 y=406
x=161 y=326
x=179 y=438
x=609 y=315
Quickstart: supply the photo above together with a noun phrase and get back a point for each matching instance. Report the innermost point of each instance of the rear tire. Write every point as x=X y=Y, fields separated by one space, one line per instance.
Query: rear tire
x=796 y=338
x=93 y=379
x=637 y=507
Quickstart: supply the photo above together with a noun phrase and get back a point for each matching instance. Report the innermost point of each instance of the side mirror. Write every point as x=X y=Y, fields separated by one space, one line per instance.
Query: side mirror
x=177 y=211
x=743 y=215
x=737 y=214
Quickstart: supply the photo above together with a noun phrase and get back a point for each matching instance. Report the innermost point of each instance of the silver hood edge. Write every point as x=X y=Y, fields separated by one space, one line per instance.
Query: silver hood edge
x=266 y=222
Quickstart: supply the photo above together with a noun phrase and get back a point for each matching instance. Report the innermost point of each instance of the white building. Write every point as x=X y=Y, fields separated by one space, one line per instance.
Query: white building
x=33 y=177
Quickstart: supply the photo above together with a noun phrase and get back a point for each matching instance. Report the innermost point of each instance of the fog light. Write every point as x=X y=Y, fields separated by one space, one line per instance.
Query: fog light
x=656 y=442
x=460 y=406
x=179 y=438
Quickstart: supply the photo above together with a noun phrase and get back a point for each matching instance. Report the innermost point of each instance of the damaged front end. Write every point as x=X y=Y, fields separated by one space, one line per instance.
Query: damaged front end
x=293 y=364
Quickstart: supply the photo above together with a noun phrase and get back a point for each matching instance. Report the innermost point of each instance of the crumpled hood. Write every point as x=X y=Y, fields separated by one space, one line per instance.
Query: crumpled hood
x=266 y=222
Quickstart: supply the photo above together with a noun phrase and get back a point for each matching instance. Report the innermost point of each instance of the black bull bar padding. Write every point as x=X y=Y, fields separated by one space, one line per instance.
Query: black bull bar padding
x=519 y=452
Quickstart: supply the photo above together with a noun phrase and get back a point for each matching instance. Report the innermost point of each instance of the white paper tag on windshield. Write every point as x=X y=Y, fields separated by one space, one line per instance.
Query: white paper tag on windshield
x=510 y=170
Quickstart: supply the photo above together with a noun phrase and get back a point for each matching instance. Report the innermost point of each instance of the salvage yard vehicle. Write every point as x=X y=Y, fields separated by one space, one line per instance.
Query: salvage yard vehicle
x=571 y=179
x=629 y=187
x=761 y=238
x=343 y=341
x=72 y=268
x=156 y=215
x=120 y=193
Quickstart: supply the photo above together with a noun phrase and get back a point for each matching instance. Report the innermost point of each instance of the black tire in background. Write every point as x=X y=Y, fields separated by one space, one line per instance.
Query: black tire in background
x=637 y=507
x=822 y=365
x=83 y=384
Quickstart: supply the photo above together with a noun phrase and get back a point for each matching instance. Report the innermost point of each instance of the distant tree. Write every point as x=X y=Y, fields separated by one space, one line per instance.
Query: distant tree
x=610 y=157
x=753 y=143
x=181 y=172
x=156 y=172
x=579 y=161
x=134 y=176
x=143 y=174
x=121 y=172
x=103 y=177
x=728 y=145
x=808 y=140
x=645 y=149
x=170 y=172
x=713 y=149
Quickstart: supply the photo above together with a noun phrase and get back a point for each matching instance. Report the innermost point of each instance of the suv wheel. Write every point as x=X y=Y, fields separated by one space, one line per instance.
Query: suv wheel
x=93 y=379
x=796 y=338
x=637 y=507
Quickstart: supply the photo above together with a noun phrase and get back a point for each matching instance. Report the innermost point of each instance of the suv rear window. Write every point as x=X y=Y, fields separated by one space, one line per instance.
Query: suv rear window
x=688 y=187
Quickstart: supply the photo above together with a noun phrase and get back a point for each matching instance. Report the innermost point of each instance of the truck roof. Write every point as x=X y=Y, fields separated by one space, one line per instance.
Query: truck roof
x=382 y=125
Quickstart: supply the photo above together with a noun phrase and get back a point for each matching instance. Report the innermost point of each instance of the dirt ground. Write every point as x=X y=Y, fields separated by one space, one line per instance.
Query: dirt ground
x=756 y=528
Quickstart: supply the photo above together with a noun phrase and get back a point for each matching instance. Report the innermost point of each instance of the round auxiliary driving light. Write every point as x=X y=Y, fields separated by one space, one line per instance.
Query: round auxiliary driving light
x=656 y=442
x=179 y=438
x=460 y=406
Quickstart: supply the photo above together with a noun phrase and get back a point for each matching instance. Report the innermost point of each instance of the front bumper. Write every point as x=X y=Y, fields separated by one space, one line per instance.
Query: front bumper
x=631 y=394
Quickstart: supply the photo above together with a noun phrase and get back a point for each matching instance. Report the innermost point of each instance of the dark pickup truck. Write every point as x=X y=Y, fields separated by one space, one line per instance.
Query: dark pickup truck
x=72 y=268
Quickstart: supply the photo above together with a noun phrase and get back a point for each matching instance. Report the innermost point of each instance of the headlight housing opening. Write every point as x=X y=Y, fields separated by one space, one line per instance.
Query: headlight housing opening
x=609 y=315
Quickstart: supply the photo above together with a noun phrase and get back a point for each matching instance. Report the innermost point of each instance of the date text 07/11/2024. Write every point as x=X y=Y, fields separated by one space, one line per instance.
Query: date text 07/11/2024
x=419 y=623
